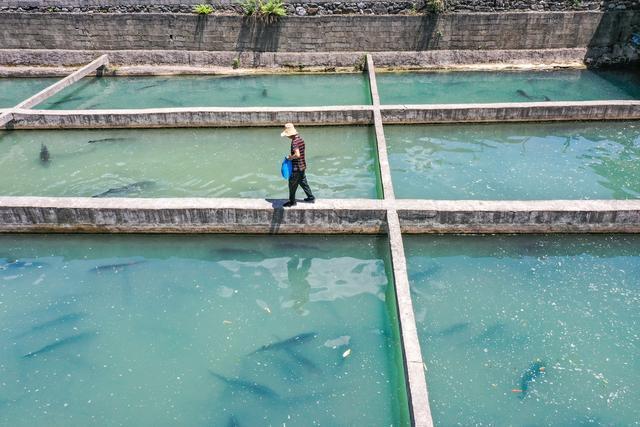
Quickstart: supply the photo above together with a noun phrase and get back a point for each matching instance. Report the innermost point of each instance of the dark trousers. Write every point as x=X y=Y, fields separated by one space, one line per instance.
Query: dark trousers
x=298 y=178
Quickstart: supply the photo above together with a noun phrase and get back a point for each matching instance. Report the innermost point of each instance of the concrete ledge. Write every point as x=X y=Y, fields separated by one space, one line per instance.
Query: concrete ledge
x=119 y=215
x=192 y=117
x=56 y=62
x=511 y=112
x=544 y=216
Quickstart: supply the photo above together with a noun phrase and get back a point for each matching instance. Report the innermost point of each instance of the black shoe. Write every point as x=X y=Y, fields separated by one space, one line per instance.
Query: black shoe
x=310 y=199
x=289 y=204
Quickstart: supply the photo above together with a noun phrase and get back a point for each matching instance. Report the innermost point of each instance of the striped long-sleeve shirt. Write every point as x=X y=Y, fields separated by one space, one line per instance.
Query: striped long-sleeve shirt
x=301 y=163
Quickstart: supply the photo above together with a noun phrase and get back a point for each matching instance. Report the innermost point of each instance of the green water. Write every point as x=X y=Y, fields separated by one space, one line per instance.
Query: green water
x=507 y=86
x=489 y=308
x=173 y=332
x=15 y=90
x=213 y=91
x=218 y=162
x=572 y=160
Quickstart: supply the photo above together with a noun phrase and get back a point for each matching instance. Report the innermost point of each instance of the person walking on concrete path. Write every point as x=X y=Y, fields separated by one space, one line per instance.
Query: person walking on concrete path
x=299 y=164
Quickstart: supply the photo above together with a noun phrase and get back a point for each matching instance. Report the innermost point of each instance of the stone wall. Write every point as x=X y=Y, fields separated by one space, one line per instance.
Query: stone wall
x=103 y=32
x=315 y=7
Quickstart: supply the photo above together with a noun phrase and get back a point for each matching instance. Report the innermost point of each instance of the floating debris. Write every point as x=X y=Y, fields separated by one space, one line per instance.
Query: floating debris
x=346 y=353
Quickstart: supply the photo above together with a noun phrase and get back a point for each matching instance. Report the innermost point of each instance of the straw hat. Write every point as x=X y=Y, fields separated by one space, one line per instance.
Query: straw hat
x=289 y=130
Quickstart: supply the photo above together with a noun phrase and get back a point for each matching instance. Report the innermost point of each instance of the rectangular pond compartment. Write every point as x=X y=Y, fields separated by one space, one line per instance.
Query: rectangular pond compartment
x=464 y=87
x=523 y=330
x=199 y=330
x=15 y=90
x=211 y=162
x=517 y=161
x=275 y=90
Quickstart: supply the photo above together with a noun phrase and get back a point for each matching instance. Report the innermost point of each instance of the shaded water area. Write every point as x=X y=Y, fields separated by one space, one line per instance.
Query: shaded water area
x=524 y=161
x=213 y=91
x=507 y=86
x=15 y=90
x=221 y=162
x=198 y=330
x=530 y=329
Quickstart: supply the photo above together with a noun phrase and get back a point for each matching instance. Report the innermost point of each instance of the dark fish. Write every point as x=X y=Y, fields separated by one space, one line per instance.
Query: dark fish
x=250 y=386
x=530 y=375
x=523 y=94
x=93 y=141
x=423 y=274
x=64 y=100
x=493 y=333
x=126 y=189
x=17 y=264
x=279 y=345
x=546 y=98
x=66 y=318
x=265 y=93
x=60 y=343
x=233 y=422
x=456 y=328
x=114 y=268
x=303 y=361
x=149 y=86
x=44 y=154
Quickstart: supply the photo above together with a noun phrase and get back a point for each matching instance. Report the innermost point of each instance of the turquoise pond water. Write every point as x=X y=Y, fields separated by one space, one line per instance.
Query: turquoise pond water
x=529 y=330
x=221 y=162
x=524 y=161
x=507 y=86
x=213 y=91
x=15 y=90
x=198 y=330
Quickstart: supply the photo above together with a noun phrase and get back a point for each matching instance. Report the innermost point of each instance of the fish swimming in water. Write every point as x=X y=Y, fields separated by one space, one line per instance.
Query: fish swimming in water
x=60 y=343
x=93 y=141
x=113 y=268
x=65 y=100
x=250 y=386
x=546 y=98
x=265 y=93
x=279 y=345
x=456 y=328
x=536 y=370
x=60 y=320
x=17 y=264
x=233 y=422
x=523 y=94
x=302 y=361
x=126 y=189
x=44 y=154
x=424 y=274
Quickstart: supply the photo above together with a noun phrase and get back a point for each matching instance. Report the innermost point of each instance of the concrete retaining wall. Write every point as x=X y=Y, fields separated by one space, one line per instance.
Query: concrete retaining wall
x=556 y=216
x=197 y=117
x=511 y=112
x=51 y=215
x=37 y=214
x=462 y=31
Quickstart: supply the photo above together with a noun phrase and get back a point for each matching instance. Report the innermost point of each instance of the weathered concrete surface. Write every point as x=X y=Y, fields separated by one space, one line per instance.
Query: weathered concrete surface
x=5 y=117
x=191 y=117
x=39 y=62
x=412 y=354
x=48 y=92
x=511 y=112
x=361 y=33
x=92 y=215
x=545 y=216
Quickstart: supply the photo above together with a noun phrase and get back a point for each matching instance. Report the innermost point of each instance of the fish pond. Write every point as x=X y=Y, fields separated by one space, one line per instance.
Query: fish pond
x=198 y=330
x=529 y=330
x=15 y=90
x=507 y=86
x=524 y=161
x=213 y=91
x=221 y=162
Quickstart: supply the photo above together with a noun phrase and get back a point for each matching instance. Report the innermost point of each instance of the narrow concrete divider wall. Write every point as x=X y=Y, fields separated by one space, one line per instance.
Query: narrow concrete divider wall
x=66 y=82
x=419 y=407
x=192 y=117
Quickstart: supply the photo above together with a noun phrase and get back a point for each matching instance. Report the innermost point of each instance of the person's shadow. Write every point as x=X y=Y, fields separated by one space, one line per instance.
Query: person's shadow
x=278 y=214
x=298 y=275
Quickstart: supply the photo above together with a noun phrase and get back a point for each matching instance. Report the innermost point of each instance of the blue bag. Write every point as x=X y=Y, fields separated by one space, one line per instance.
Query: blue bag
x=287 y=168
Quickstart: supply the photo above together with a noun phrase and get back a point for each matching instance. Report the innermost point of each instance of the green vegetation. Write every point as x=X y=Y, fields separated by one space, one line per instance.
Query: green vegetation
x=270 y=10
x=236 y=63
x=435 y=6
x=360 y=63
x=203 y=9
x=576 y=3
